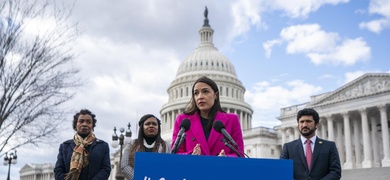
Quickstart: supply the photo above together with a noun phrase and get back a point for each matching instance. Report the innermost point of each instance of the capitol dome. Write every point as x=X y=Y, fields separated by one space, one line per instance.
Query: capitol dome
x=206 y=60
x=206 y=57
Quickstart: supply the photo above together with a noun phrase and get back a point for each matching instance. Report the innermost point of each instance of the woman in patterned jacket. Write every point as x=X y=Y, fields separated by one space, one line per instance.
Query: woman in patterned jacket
x=149 y=140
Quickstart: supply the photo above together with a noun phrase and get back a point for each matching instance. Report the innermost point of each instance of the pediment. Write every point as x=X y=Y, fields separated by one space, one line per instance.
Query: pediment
x=26 y=167
x=366 y=85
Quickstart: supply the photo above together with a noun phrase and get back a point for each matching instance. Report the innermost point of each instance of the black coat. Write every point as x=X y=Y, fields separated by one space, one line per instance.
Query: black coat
x=99 y=166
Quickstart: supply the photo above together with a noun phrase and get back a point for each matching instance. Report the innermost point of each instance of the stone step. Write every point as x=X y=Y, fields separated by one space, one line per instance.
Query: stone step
x=366 y=173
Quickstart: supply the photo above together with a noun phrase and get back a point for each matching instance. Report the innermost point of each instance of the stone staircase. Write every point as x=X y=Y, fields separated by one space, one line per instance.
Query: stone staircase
x=366 y=174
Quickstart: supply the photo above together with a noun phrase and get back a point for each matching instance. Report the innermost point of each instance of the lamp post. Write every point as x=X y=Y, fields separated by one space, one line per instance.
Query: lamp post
x=115 y=144
x=8 y=160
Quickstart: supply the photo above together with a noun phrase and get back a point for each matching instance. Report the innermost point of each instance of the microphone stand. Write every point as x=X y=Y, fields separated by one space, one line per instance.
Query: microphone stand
x=227 y=143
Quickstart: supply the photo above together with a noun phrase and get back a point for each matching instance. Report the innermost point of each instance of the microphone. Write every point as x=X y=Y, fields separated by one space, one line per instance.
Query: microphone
x=184 y=127
x=183 y=137
x=219 y=127
x=231 y=147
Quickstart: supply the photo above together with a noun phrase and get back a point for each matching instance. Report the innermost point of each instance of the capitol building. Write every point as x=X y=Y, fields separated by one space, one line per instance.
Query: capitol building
x=355 y=116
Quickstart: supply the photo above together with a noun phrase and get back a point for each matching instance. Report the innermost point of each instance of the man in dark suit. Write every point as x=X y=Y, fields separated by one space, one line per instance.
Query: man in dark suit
x=313 y=158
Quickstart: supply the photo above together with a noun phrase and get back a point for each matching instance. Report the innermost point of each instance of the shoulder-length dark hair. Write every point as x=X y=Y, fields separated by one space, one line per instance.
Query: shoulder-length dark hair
x=191 y=107
x=138 y=145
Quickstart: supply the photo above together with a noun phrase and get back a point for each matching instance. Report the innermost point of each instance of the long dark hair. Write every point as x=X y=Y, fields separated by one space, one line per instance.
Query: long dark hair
x=191 y=107
x=138 y=146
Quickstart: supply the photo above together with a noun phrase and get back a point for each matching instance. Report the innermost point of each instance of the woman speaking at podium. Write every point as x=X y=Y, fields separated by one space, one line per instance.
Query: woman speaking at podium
x=202 y=111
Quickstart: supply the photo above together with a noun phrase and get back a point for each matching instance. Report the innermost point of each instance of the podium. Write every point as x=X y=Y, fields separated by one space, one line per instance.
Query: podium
x=158 y=166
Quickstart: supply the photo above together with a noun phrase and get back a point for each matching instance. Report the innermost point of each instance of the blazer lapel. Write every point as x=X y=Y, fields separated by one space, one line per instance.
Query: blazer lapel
x=197 y=130
x=214 y=135
x=317 y=150
x=301 y=152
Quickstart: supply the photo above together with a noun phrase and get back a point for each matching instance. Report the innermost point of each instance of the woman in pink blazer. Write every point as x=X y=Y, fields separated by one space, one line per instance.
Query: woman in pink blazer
x=202 y=111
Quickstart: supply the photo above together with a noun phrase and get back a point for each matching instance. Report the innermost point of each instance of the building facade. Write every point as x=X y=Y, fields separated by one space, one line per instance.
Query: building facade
x=355 y=116
x=37 y=172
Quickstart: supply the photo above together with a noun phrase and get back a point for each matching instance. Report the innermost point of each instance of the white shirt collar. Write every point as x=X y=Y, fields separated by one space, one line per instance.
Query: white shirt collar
x=312 y=139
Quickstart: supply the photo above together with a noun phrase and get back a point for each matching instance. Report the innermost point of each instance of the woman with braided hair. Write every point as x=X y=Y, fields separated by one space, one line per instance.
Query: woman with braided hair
x=84 y=156
x=149 y=140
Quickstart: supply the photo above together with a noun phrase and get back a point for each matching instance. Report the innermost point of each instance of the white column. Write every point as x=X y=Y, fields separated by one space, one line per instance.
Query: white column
x=330 y=128
x=367 y=162
x=171 y=119
x=241 y=118
x=176 y=112
x=339 y=141
x=290 y=135
x=385 y=137
x=374 y=140
x=347 y=141
x=167 y=119
x=248 y=119
x=283 y=135
x=247 y=126
x=323 y=129
x=319 y=129
x=296 y=133
x=163 y=122
x=245 y=123
x=356 y=138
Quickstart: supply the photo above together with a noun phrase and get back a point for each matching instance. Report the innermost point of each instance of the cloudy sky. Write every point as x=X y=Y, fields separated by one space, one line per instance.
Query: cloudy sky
x=283 y=51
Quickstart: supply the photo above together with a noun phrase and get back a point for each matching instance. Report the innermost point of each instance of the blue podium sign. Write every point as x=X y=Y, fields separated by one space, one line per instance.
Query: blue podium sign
x=157 y=166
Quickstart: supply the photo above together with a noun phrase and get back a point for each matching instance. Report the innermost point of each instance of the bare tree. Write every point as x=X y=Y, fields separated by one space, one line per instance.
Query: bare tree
x=36 y=76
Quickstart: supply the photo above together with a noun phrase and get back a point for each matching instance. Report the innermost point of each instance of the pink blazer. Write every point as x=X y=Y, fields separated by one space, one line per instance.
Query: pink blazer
x=214 y=145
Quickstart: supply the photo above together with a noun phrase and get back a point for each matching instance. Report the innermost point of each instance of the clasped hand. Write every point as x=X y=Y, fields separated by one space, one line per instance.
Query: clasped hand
x=197 y=151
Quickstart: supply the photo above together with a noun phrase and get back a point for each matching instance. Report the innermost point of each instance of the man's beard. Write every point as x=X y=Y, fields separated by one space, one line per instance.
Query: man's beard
x=309 y=132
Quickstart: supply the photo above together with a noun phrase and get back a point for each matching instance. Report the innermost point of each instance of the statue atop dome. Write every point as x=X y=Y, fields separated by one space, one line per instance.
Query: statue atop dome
x=206 y=19
x=206 y=12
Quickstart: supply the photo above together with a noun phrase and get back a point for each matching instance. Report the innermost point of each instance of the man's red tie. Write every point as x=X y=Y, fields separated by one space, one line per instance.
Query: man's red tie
x=308 y=153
